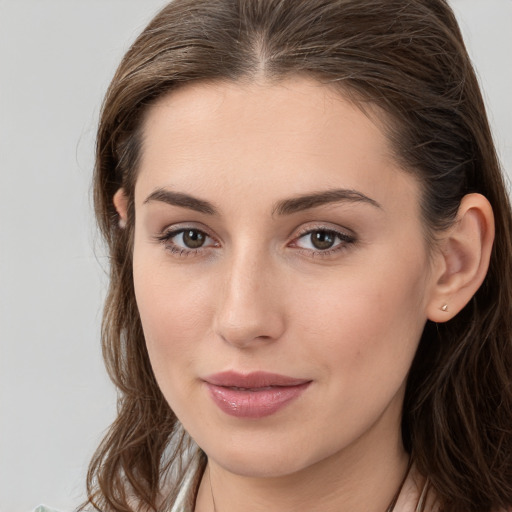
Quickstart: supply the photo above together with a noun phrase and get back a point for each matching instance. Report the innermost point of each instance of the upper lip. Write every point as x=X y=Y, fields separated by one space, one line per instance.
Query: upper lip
x=252 y=380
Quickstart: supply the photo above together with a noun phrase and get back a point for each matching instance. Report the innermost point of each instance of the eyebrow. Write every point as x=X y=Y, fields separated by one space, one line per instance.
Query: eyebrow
x=306 y=202
x=284 y=207
x=182 y=200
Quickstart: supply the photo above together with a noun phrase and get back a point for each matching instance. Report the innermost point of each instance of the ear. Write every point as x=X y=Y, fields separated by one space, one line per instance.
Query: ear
x=120 y=201
x=463 y=258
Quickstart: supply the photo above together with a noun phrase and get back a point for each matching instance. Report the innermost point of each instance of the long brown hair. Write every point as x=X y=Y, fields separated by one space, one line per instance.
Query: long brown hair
x=408 y=58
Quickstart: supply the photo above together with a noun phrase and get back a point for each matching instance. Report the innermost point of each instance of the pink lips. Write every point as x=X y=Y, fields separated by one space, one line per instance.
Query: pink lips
x=254 y=395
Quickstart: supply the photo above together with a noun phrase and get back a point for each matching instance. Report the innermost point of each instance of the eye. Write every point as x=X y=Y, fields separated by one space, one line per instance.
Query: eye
x=323 y=240
x=190 y=238
x=186 y=240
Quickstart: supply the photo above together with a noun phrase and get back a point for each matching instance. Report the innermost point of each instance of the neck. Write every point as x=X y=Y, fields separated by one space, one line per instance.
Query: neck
x=355 y=480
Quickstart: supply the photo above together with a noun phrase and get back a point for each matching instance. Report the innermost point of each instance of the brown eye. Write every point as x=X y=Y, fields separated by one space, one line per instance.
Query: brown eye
x=186 y=241
x=323 y=240
x=193 y=239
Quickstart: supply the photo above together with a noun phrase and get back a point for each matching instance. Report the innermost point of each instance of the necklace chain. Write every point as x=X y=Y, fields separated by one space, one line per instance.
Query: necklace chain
x=211 y=489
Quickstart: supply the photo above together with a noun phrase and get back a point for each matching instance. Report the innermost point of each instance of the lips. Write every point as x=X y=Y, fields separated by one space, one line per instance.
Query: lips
x=253 y=395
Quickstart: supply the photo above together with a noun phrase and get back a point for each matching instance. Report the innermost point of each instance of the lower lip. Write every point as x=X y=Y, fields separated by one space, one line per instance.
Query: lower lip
x=257 y=403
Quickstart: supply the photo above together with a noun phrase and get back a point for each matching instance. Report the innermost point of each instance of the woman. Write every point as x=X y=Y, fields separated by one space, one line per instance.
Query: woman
x=306 y=309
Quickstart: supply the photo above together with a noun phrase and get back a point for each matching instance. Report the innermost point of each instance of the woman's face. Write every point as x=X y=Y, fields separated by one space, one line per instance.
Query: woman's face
x=280 y=271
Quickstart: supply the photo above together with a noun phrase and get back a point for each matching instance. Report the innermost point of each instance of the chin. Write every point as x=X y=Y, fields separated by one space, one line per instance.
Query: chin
x=261 y=466
x=267 y=459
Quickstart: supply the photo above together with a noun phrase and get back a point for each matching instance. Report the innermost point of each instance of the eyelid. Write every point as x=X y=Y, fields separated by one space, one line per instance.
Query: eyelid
x=192 y=224
x=183 y=226
x=173 y=232
x=320 y=226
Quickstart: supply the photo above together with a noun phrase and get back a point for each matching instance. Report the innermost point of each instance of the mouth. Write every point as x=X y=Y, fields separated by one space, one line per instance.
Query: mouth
x=253 y=395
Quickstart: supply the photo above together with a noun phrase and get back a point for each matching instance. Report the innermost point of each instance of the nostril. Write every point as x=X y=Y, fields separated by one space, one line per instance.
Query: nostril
x=250 y=333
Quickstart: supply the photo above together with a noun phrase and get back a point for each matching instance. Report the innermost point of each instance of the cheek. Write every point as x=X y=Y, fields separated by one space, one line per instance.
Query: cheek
x=174 y=310
x=364 y=319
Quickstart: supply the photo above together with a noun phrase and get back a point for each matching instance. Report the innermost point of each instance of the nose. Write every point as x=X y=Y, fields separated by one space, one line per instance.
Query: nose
x=249 y=310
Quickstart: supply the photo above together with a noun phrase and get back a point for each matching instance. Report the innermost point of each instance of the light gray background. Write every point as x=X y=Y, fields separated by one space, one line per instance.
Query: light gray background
x=56 y=60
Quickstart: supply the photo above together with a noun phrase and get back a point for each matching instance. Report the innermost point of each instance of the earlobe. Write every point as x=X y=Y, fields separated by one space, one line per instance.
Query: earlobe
x=463 y=259
x=120 y=201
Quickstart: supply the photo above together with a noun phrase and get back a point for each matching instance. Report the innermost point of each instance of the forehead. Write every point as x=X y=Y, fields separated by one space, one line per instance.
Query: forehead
x=294 y=136
x=295 y=108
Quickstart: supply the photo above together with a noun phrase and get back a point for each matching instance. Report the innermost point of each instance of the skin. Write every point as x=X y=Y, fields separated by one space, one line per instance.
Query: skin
x=258 y=295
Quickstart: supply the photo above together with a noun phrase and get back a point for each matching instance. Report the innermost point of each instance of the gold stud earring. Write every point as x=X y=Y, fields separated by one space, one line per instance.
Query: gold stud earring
x=444 y=307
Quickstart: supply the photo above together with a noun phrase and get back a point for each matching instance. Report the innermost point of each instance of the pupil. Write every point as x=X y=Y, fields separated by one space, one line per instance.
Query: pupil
x=323 y=239
x=193 y=239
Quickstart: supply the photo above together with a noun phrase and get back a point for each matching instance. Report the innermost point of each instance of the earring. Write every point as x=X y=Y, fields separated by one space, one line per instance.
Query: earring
x=122 y=223
x=444 y=307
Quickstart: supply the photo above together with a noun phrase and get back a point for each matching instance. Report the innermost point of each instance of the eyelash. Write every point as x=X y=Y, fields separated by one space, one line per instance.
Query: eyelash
x=345 y=240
